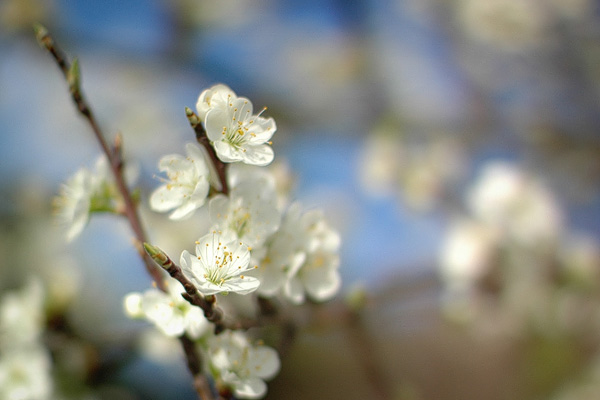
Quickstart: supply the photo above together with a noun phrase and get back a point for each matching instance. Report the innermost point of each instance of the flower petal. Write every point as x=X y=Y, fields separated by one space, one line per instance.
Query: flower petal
x=258 y=155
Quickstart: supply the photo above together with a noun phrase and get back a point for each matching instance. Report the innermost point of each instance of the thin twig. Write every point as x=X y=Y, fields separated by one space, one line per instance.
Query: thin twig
x=71 y=74
x=201 y=137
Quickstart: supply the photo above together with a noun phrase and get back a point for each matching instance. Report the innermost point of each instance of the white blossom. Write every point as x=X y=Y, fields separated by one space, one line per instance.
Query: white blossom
x=25 y=365
x=467 y=254
x=169 y=312
x=187 y=185
x=515 y=203
x=249 y=213
x=219 y=266
x=21 y=316
x=242 y=366
x=88 y=191
x=235 y=132
x=73 y=204
x=302 y=257
x=84 y=192
x=25 y=374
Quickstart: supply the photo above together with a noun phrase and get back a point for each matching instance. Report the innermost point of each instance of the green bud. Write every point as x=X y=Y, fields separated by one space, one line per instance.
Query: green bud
x=159 y=256
x=357 y=299
x=192 y=117
x=41 y=34
x=73 y=76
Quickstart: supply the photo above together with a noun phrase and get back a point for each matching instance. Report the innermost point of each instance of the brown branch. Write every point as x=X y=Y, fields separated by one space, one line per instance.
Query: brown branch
x=71 y=74
x=114 y=155
x=201 y=137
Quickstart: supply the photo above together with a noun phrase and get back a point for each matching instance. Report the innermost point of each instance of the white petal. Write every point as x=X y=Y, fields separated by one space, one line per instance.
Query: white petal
x=218 y=208
x=252 y=388
x=165 y=198
x=294 y=291
x=263 y=130
x=214 y=96
x=271 y=281
x=321 y=283
x=228 y=153
x=216 y=121
x=184 y=211
x=241 y=286
x=133 y=305
x=173 y=162
x=264 y=362
x=195 y=152
x=258 y=155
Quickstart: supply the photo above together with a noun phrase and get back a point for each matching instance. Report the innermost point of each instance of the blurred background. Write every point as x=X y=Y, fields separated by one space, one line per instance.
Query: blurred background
x=454 y=144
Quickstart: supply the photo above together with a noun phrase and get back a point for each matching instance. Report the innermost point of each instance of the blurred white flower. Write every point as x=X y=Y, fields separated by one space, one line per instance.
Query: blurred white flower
x=72 y=206
x=187 y=185
x=515 y=203
x=249 y=213
x=466 y=254
x=25 y=365
x=509 y=24
x=25 y=374
x=169 y=312
x=219 y=266
x=236 y=133
x=22 y=316
x=241 y=366
x=380 y=164
x=301 y=257
x=216 y=96
x=86 y=192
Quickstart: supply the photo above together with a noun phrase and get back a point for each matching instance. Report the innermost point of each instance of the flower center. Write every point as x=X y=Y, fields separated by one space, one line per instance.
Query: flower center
x=240 y=223
x=219 y=273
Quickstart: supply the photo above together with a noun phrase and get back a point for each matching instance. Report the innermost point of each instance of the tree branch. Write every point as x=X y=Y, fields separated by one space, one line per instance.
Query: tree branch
x=201 y=137
x=114 y=155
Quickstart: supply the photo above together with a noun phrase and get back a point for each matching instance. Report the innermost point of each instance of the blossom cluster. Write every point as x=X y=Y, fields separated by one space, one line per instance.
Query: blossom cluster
x=511 y=261
x=257 y=243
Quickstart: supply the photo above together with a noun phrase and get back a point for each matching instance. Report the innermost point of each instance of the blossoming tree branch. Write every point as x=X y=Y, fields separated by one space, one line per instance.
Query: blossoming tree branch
x=272 y=254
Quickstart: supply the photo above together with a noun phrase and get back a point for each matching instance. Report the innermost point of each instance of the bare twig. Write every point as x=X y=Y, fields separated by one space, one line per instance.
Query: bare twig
x=72 y=76
x=201 y=137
